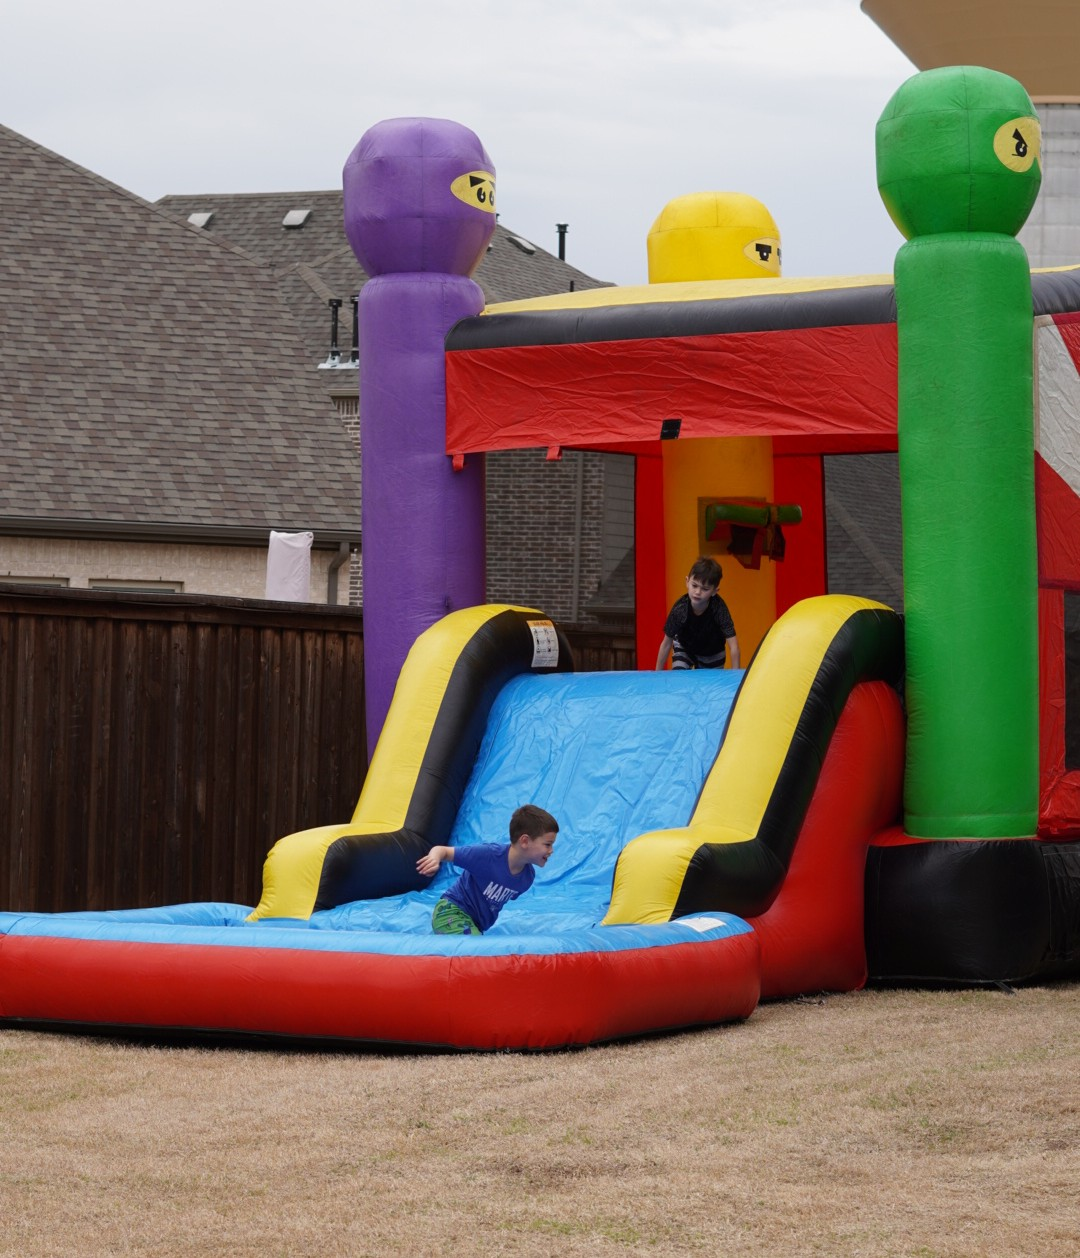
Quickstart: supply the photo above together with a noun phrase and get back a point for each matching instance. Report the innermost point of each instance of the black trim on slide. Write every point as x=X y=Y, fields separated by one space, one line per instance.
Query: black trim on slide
x=369 y=866
x=745 y=878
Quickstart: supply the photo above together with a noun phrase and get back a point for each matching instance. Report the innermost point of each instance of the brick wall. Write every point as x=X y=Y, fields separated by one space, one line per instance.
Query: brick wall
x=533 y=507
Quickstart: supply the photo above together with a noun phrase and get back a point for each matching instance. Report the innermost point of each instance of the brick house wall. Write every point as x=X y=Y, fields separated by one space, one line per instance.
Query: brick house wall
x=557 y=530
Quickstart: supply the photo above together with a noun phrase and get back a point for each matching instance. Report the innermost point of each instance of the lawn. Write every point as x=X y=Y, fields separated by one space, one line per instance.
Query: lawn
x=890 y=1123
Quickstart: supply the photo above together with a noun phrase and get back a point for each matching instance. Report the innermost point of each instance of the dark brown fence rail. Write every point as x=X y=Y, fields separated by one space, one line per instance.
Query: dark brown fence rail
x=600 y=651
x=152 y=749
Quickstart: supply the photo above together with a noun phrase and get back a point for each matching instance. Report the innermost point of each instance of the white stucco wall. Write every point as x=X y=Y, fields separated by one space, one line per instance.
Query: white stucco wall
x=236 y=571
x=1052 y=233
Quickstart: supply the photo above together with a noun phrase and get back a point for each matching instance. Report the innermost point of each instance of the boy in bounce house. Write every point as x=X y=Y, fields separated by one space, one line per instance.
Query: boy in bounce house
x=699 y=627
x=494 y=873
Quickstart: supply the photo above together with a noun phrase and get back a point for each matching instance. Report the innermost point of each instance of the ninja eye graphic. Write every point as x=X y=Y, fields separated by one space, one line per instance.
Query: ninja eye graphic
x=1018 y=144
x=765 y=253
x=477 y=189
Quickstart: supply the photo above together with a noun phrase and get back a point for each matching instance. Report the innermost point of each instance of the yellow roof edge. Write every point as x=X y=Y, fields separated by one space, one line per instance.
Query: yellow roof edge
x=703 y=290
x=685 y=290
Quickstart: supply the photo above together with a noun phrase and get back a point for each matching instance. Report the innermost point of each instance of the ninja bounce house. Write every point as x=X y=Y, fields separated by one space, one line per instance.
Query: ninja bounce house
x=874 y=798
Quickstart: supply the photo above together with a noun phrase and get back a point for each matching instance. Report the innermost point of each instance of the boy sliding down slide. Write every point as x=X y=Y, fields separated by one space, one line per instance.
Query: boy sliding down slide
x=494 y=873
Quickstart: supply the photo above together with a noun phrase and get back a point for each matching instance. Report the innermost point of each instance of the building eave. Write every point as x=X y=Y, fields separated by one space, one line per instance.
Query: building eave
x=156 y=532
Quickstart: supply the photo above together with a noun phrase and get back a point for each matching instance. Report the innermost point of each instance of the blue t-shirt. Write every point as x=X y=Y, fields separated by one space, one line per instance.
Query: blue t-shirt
x=487 y=883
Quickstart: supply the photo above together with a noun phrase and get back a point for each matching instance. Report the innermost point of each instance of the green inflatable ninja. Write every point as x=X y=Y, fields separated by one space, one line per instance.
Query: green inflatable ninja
x=958 y=160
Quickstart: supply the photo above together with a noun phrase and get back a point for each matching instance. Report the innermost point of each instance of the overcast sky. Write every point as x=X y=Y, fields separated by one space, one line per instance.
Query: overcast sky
x=594 y=112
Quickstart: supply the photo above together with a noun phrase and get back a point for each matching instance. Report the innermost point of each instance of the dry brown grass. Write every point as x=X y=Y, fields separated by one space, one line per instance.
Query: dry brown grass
x=879 y=1123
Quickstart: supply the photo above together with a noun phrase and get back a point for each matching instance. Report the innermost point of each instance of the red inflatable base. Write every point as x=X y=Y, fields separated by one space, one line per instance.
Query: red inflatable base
x=503 y=1002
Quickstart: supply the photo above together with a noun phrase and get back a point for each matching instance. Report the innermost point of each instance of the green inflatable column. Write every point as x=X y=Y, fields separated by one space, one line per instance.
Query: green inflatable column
x=958 y=170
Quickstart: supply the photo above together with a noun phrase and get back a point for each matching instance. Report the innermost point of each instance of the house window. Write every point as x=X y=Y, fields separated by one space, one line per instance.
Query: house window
x=57 y=582
x=138 y=587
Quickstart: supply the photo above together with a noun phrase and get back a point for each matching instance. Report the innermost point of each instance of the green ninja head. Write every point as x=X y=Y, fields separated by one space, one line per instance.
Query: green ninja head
x=959 y=150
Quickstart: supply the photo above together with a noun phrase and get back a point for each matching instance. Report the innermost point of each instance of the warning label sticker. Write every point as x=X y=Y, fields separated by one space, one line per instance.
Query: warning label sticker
x=545 y=644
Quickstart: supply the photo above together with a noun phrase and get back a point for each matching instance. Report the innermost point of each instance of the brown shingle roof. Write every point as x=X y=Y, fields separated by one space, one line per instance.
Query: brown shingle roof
x=148 y=372
x=315 y=261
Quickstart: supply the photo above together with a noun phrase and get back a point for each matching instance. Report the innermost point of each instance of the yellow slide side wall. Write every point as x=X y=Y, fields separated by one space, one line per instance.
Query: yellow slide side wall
x=651 y=870
x=293 y=868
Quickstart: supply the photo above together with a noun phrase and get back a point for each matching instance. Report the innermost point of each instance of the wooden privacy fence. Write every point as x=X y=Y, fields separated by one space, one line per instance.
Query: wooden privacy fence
x=152 y=749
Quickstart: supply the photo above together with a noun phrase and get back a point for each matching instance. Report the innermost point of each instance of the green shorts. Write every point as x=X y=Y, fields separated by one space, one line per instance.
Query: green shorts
x=448 y=919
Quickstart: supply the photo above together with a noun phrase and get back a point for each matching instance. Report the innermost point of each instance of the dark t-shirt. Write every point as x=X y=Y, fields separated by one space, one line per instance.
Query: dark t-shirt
x=699 y=640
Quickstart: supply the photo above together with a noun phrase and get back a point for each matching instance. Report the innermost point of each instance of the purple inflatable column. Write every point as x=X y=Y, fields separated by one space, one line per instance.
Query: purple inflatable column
x=419 y=212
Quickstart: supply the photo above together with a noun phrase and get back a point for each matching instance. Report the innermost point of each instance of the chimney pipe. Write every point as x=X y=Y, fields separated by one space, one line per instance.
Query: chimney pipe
x=354 y=354
x=335 y=353
x=562 y=229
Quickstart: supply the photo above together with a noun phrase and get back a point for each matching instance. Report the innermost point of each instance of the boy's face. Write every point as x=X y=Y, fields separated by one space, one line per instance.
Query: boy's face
x=536 y=851
x=699 y=592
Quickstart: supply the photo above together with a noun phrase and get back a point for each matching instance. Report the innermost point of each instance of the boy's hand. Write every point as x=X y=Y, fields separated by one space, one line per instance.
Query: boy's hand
x=429 y=864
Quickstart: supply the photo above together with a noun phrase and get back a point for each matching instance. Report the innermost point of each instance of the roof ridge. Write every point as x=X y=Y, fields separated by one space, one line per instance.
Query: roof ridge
x=343 y=250
x=208 y=237
x=126 y=193
x=234 y=196
x=314 y=281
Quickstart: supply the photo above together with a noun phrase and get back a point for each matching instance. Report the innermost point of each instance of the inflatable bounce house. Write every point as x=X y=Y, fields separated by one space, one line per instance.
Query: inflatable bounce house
x=872 y=798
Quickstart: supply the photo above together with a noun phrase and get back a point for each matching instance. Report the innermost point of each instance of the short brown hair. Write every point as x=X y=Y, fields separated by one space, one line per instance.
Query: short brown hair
x=706 y=570
x=533 y=821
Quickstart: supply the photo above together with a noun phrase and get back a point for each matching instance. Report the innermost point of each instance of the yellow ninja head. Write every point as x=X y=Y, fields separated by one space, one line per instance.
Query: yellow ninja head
x=713 y=236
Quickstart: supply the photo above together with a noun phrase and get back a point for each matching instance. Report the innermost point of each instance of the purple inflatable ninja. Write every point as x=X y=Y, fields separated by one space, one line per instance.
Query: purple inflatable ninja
x=419 y=212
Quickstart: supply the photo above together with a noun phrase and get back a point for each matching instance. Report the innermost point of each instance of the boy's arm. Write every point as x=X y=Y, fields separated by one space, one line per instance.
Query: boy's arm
x=733 y=648
x=665 y=651
x=430 y=863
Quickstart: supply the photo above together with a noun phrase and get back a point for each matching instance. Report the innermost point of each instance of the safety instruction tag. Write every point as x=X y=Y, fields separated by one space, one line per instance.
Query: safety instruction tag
x=702 y=922
x=545 y=644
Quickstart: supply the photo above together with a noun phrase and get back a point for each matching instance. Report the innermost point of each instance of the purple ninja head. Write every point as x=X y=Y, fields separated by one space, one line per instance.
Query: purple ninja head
x=419 y=196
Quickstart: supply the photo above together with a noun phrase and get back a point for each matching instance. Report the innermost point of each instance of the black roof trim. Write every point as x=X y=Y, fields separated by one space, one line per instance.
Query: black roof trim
x=199 y=534
x=1053 y=293
x=1056 y=292
x=771 y=312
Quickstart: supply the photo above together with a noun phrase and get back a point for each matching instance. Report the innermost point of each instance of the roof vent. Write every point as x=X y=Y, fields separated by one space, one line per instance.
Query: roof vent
x=524 y=245
x=201 y=218
x=296 y=218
